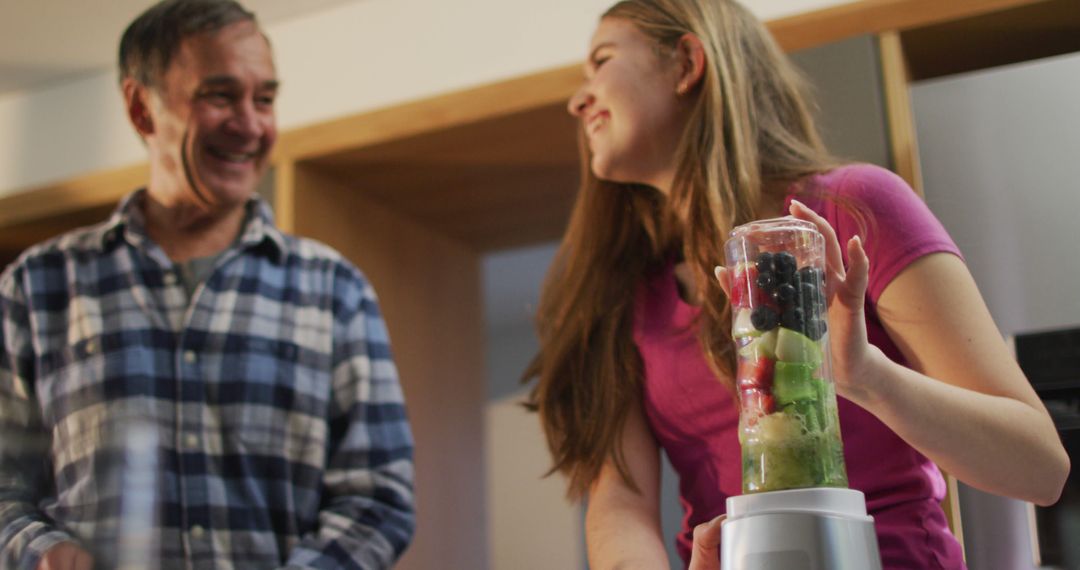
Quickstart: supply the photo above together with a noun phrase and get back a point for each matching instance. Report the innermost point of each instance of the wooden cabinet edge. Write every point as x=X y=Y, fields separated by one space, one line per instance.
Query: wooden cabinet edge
x=900 y=117
x=843 y=21
x=493 y=100
x=81 y=192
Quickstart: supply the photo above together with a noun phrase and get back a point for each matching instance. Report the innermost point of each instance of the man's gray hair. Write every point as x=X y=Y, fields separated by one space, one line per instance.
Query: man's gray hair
x=150 y=42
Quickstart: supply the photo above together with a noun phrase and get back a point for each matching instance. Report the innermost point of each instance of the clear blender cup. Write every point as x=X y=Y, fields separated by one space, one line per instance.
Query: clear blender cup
x=789 y=430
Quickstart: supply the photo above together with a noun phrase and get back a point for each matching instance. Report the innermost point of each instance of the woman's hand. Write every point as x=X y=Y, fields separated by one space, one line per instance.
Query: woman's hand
x=66 y=556
x=706 y=552
x=852 y=354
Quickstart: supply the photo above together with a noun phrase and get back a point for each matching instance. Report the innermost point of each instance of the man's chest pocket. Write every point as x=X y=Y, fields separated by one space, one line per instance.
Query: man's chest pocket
x=279 y=395
x=110 y=367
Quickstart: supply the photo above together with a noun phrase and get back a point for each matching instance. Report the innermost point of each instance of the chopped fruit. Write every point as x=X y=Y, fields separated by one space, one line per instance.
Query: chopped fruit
x=766 y=281
x=755 y=404
x=788 y=423
x=812 y=410
x=755 y=373
x=763 y=346
x=785 y=294
x=793 y=382
x=792 y=318
x=744 y=286
x=812 y=275
x=743 y=324
x=794 y=346
x=811 y=299
x=764 y=262
x=779 y=428
x=815 y=328
x=785 y=265
x=764 y=318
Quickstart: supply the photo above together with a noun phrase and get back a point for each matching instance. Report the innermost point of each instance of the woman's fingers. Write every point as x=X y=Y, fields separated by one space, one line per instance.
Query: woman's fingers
x=858 y=272
x=834 y=260
x=723 y=276
x=706 y=552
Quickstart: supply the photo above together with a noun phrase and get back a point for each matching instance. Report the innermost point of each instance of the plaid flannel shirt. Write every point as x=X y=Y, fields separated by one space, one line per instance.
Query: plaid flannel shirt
x=280 y=427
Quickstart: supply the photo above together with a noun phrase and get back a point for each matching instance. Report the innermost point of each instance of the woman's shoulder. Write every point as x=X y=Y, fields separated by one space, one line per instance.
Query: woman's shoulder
x=861 y=181
x=865 y=189
x=894 y=221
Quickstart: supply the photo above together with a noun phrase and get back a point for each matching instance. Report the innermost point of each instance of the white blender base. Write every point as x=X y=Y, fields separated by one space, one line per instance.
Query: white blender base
x=799 y=529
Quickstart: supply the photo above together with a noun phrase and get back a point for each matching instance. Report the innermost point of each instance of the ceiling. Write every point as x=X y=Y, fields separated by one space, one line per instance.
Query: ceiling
x=50 y=41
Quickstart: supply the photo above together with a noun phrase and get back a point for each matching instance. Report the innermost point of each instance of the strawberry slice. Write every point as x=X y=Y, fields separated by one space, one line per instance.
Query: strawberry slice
x=755 y=403
x=755 y=373
x=743 y=284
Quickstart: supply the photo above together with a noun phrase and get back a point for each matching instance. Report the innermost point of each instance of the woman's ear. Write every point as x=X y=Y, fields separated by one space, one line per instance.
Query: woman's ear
x=691 y=59
x=137 y=104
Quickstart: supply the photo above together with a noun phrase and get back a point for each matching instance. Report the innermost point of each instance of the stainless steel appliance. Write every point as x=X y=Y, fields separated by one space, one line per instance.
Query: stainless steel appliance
x=799 y=529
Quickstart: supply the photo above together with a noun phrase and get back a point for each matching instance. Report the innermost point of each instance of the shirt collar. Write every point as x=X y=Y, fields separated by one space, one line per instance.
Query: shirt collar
x=128 y=223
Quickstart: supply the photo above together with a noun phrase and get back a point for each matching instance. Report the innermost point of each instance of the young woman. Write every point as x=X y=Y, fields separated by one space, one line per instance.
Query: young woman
x=693 y=121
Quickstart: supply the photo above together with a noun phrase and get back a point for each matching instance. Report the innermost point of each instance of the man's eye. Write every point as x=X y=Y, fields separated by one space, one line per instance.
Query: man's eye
x=218 y=96
x=600 y=61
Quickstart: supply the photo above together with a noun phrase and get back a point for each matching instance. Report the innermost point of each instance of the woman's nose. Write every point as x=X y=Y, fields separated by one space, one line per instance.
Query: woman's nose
x=579 y=102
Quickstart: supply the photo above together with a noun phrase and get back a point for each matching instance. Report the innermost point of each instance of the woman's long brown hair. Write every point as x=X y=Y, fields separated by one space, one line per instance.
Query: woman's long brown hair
x=749 y=137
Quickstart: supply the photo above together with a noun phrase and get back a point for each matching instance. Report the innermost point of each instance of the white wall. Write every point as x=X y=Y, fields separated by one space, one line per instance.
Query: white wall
x=1000 y=152
x=531 y=524
x=355 y=57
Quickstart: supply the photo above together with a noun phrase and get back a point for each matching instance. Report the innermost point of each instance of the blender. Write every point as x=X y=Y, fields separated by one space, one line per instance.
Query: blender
x=796 y=511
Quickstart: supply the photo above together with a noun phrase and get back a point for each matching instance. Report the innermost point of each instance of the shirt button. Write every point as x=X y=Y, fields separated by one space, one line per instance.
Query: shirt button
x=170 y=278
x=191 y=441
x=189 y=356
x=197 y=532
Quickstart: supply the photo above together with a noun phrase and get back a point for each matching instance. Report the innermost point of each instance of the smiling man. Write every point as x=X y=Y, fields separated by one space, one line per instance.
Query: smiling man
x=251 y=368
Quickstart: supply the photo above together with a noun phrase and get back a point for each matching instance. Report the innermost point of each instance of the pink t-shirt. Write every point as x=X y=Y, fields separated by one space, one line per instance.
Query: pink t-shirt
x=695 y=418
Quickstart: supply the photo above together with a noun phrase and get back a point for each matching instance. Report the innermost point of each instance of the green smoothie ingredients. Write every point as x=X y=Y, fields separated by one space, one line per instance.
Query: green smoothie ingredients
x=789 y=428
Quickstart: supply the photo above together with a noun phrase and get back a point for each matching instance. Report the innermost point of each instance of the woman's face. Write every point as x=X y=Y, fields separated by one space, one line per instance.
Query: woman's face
x=628 y=106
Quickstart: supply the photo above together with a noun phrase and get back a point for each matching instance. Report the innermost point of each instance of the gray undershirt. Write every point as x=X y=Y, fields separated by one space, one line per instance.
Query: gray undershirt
x=194 y=271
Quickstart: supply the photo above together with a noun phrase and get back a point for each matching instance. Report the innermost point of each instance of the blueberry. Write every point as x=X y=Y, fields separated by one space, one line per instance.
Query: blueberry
x=793 y=319
x=782 y=277
x=815 y=328
x=764 y=318
x=809 y=295
x=766 y=281
x=785 y=294
x=764 y=262
x=785 y=263
x=812 y=275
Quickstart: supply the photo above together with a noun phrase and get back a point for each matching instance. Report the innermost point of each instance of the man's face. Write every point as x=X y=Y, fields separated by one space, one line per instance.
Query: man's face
x=213 y=118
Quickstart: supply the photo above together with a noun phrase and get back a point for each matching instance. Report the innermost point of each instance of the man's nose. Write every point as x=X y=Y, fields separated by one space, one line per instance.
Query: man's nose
x=246 y=120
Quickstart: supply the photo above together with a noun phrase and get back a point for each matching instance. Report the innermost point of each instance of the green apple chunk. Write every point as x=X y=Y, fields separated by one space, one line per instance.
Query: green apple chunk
x=763 y=346
x=794 y=346
x=810 y=411
x=794 y=381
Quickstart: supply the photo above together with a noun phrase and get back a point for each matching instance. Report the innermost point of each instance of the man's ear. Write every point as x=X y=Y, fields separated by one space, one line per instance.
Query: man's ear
x=691 y=58
x=137 y=104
